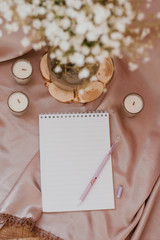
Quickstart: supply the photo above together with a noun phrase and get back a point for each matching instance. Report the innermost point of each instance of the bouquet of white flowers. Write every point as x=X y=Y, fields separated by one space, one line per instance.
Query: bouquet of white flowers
x=79 y=32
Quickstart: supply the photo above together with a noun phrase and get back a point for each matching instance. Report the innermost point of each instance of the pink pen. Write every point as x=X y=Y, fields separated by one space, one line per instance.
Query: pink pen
x=95 y=176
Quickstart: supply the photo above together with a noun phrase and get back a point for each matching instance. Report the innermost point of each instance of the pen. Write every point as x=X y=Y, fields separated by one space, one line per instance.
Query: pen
x=98 y=171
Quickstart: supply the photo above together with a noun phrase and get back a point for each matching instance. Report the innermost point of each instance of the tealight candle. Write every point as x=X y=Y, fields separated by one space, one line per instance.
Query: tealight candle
x=22 y=71
x=133 y=104
x=18 y=103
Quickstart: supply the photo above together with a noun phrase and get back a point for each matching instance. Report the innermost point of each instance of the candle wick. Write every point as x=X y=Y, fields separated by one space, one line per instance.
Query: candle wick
x=18 y=100
x=134 y=103
x=24 y=69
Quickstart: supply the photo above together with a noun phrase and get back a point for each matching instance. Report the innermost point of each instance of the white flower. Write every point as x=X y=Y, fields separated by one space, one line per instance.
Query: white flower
x=1 y=33
x=77 y=59
x=36 y=23
x=90 y=2
x=65 y=23
x=112 y=44
x=100 y=13
x=36 y=2
x=92 y=36
x=25 y=42
x=81 y=17
x=62 y=35
x=104 y=39
x=132 y=66
x=78 y=31
x=118 y=11
x=117 y=52
x=24 y=10
x=50 y=16
x=78 y=4
x=93 y=78
x=61 y=11
x=50 y=30
x=140 y=50
x=84 y=73
x=90 y=59
x=85 y=50
x=36 y=46
x=127 y=40
x=129 y=10
x=58 y=53
x=90 y=26
x=136 y=30
x=41 y=10
x=52 y=56
x=58 y=69
x=39 y=45
x=146 y=59
x=70 y=12
x=64 y=45
x=56 y=41
x=76 y=42
x=121 y=2
x=99 y=30
x=145 y=32
x=74 y=3
x=12 y=27
x=120 y=26
x=8 y=16
x=110 y=5
x=140 y=16
x=8 y=27
x=96 y=50
x=81 y=28
x=26 y=29
x=116 y=35
x=100 y=58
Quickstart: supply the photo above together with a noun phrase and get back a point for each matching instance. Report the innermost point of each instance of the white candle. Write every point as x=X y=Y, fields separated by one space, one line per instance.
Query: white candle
x=133 y=104
x=18 y=103
x=22 y=71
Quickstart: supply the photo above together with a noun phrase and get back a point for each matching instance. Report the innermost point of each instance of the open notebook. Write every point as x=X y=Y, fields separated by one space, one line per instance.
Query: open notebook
x=71 y=148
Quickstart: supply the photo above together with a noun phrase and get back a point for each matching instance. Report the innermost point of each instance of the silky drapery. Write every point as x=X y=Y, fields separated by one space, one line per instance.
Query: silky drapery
x=136 y=160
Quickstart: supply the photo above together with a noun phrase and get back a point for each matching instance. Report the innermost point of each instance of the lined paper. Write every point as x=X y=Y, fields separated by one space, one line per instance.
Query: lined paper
x=71 y=148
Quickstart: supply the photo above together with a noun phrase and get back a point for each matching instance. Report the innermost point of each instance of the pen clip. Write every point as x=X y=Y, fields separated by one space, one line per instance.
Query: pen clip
x=93 y=180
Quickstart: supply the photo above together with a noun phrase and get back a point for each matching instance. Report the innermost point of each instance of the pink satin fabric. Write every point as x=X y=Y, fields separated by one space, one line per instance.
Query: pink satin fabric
x=10 y=46
x=135 y=161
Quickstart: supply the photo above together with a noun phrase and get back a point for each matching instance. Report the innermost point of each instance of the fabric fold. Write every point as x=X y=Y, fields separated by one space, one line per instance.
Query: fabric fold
x=150 y=219
x=26 y=206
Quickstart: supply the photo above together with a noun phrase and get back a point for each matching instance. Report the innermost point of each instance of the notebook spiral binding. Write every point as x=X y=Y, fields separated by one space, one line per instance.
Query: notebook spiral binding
x=74 y=114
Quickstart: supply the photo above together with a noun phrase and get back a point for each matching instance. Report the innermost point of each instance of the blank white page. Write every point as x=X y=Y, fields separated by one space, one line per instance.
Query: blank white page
x=72 y=147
